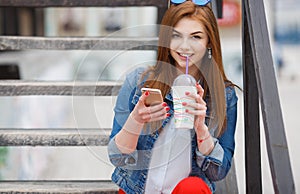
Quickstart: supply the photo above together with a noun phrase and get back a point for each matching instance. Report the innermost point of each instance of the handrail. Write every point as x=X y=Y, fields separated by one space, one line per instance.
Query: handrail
x=251 y=116
x=268 y=94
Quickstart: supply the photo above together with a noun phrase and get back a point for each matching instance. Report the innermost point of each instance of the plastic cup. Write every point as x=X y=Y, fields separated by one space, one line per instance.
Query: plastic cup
x=182 y=84
x=183 y=120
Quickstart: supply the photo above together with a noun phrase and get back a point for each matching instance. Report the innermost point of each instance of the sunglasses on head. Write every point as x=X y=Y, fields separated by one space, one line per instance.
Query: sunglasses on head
x=196 y=2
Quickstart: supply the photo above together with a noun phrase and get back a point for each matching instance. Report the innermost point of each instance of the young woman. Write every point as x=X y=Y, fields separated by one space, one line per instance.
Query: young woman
x=150 y=155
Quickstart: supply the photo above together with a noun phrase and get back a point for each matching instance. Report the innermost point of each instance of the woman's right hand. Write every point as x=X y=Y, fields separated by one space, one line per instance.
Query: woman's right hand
x=127 y=138
x=143 y=114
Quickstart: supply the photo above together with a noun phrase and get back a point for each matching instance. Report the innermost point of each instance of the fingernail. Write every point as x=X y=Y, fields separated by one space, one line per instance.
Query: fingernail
x=187 y=93
x=164 y=104
x=186 y=110
x=167 y=108
x=147 y=93
x=184 y=103
x=168 y=114
x=197 y=84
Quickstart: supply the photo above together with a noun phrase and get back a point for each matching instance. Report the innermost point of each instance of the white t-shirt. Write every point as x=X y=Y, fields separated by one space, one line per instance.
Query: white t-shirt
x=170 y=161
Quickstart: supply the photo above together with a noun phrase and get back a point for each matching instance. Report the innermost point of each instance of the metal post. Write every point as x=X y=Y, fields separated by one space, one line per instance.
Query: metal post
x=276 y=142
x=251 y=116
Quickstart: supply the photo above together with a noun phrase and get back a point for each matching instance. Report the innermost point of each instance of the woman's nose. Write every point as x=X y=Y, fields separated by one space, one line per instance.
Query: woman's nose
x=185 y=45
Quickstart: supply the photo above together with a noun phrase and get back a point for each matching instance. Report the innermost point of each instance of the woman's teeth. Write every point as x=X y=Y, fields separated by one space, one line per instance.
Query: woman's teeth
x=184 y=55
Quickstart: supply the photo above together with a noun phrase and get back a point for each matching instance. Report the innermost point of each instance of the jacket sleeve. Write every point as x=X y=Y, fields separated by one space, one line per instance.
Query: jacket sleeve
x=217 y=164
x=122 y=110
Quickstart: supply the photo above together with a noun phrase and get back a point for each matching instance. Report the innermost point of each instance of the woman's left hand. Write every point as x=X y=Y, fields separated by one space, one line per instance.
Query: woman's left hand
x=205 y=143
x=199 y=110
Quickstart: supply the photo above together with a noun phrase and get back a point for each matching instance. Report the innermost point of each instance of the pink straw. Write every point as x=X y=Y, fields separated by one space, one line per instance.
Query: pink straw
x=187 y=65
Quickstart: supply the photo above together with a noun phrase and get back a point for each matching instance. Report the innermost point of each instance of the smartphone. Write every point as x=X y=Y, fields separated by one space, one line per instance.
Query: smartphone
x=154 y=97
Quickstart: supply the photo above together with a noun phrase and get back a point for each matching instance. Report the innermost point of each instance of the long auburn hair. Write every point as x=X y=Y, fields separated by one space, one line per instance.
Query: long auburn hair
x=210 y=72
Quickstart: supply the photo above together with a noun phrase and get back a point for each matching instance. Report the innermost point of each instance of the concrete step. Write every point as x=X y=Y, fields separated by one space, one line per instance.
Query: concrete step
x=58 y=187
x=77 y=43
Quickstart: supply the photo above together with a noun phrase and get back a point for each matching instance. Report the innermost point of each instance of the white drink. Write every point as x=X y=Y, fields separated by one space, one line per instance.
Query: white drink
x=182 y=84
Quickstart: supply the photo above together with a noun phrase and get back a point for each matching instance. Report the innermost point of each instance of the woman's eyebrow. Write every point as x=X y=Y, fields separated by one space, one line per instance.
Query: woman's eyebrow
x=175 y=31
x=197 y=32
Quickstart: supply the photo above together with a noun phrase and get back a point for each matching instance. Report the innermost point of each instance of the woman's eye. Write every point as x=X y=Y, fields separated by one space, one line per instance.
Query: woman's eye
x=197 y=37
x=175 y=36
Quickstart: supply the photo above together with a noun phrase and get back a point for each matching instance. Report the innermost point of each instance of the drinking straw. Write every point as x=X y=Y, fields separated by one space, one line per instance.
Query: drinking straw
x=187 y=65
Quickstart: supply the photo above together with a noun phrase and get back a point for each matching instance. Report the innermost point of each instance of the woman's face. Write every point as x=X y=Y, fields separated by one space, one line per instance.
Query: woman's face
x=189 y=39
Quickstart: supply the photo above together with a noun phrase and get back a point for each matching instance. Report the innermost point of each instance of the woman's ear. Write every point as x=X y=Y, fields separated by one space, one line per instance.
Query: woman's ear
x=208 y=43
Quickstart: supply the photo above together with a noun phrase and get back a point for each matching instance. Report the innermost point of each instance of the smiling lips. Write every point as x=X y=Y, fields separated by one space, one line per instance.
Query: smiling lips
x=183 y=56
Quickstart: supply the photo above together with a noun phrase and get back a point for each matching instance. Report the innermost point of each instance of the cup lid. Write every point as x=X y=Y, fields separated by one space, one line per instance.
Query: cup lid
x=184 y=80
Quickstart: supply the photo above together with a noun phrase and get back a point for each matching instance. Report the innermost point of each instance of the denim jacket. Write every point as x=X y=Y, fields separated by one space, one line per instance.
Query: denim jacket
x=131 y=171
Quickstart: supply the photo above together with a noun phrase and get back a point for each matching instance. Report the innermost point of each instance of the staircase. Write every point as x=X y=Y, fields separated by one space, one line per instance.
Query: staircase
x=71 y=137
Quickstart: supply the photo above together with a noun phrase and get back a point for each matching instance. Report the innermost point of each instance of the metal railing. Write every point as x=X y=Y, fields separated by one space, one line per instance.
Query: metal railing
x=260 y=87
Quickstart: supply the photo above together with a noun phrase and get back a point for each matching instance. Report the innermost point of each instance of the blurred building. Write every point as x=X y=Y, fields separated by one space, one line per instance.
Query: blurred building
x=287 y=37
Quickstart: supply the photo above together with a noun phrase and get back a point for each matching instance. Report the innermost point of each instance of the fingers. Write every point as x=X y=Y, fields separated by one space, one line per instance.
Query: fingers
x=199 y=106
x=156 y=108
x=201 y=113
x=156 y=116
x=151 y=113
x=196 y=105
x=197 y=96
x=200 y=90
x=143 y=98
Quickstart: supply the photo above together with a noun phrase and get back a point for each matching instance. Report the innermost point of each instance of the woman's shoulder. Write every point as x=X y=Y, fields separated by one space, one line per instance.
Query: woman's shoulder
x=231 y=96
x=133 y=83
x=137 y=71
x=134 y=76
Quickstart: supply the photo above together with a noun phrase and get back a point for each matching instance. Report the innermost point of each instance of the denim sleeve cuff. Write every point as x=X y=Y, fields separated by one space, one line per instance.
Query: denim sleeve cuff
x=215 y=157
x=118 y=158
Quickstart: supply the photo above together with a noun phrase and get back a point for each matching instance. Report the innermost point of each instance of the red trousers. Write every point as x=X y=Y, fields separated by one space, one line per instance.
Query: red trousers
x=190 y=185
